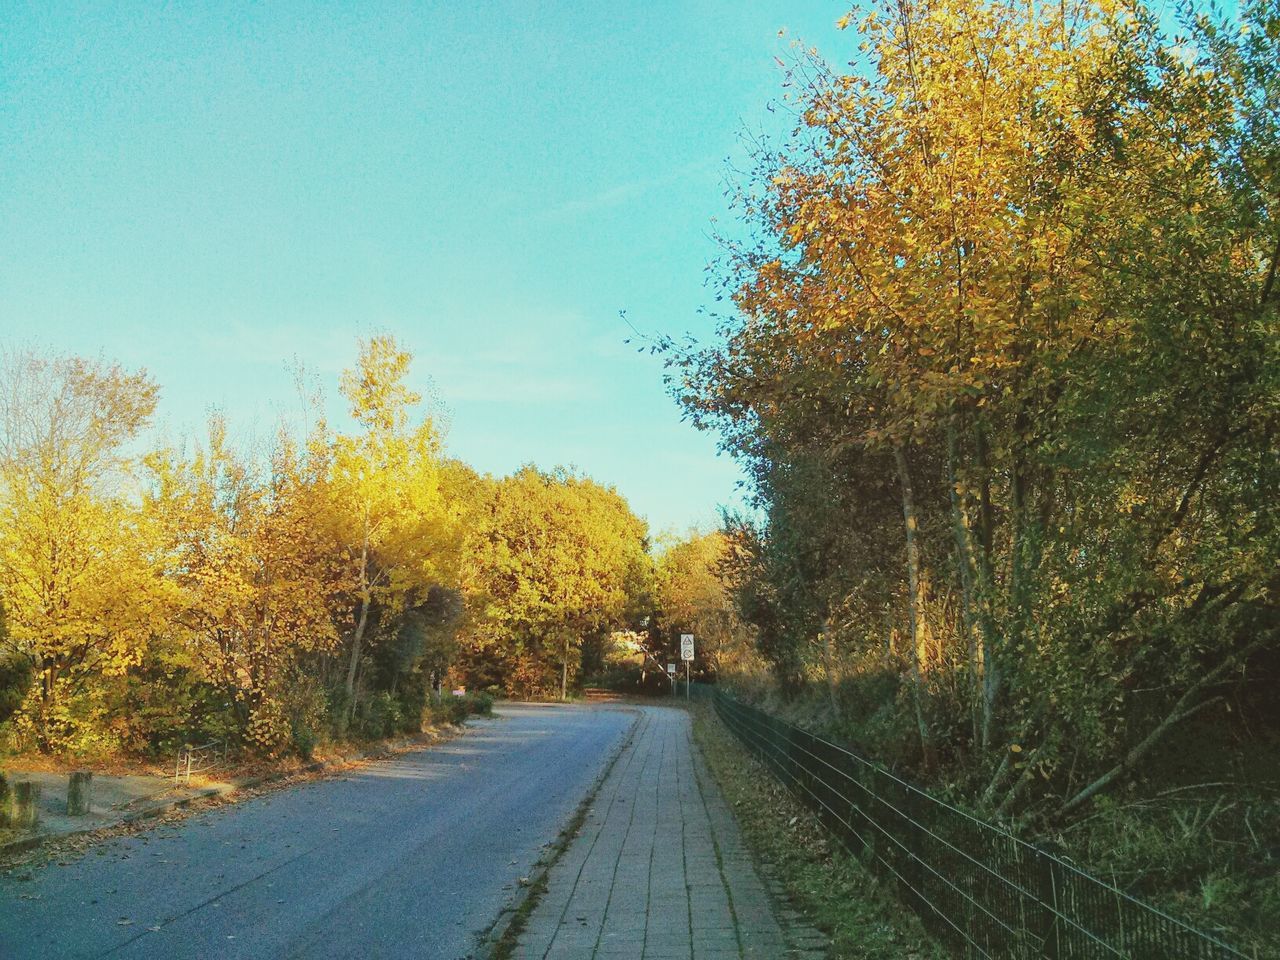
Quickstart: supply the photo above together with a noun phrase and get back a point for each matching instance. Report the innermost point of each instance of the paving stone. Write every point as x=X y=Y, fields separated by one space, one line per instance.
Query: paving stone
x=658 y=870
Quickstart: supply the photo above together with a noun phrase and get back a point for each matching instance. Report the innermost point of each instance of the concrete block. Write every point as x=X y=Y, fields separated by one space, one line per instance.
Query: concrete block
x=79 y=793
x=24 y=805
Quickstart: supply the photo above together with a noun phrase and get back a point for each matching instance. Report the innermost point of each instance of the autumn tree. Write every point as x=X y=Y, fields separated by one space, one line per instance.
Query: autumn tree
x=692 y=593
x=386 y=505
x=257 y=572
x=1021 y=262
x=554 y=559
x=79 y=573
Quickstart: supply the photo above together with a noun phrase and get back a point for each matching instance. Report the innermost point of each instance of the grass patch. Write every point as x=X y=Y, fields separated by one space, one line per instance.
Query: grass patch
x=825 y=883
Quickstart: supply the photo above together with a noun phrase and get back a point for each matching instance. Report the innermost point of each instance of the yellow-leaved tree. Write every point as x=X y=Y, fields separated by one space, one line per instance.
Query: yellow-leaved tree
x=256 y=571
x=80 y=574
x=553 y=559
x=692 y=594
x=386 y=505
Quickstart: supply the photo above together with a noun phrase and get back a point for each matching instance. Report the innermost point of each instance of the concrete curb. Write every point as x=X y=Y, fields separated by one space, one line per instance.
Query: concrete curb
x=23 y=844
x=494 y=938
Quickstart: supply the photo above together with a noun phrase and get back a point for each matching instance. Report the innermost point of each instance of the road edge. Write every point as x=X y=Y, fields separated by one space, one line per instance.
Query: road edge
x=230 y=789
x=499 y=940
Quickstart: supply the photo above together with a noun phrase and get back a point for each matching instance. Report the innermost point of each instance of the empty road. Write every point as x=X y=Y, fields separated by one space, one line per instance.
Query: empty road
x=407 y=858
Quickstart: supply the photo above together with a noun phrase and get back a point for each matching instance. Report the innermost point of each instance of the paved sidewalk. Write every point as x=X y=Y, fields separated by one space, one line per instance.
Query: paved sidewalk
x=658 y=870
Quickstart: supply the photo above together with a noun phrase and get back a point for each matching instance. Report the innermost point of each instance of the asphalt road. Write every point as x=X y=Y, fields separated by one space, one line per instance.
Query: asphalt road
x=413 y=857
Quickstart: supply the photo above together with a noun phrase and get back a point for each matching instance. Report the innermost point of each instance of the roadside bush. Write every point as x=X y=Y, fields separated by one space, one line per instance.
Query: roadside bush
x=379 y=716
x=628 y=678
x=268 y=730
x=304 y=741
x=163 y=703
x=338 y=710
x=480 y=704
x=413 y=693
x=306 y=707
x=448 y=709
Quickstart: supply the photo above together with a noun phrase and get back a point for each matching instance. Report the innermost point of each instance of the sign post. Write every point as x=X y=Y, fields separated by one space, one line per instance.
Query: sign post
x=686 y=654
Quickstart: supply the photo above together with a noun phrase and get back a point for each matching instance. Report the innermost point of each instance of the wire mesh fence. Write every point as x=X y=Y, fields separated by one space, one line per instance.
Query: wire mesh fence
x=974 y=885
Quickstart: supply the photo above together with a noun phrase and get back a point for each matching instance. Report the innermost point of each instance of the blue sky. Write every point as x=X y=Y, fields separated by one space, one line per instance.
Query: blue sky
x=213 y=190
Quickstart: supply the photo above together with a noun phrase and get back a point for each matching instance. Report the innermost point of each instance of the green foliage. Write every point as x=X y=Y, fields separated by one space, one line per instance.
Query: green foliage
x=455 y=709
x=449 y=709
x=556 y=559
x=16 y=677
x=630 y=678
x=379 y=716
x=306 y=707
x=338 y=711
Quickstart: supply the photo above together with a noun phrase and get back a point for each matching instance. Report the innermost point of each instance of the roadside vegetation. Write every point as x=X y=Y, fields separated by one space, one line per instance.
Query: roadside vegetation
x=823 y=881
x=1004 y=367
x=330 y=586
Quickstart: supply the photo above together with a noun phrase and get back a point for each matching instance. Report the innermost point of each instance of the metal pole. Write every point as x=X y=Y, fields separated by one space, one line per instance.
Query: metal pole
x=686 y=680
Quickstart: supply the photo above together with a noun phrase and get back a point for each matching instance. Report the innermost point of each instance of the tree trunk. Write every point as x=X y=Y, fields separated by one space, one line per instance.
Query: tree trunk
x=1186 y=706
x=357 y=635
x=829 y=667
x=564 y=671
x=985 y=582
x=915 y=605
x=967 y=565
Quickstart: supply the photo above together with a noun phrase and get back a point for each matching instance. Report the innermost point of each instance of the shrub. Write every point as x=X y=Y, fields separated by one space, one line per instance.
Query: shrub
x=304 y=740
x=306 y=707
x=379 y=716
x=449 y=709
x=338 y=709
x=16 y=677
x=268 y=729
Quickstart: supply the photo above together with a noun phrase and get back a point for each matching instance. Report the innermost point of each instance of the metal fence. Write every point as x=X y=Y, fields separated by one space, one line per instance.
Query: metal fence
x=974 y=885
x=198 y=759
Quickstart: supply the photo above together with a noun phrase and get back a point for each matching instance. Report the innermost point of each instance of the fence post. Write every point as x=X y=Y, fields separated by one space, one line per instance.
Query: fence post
x=1047 y=893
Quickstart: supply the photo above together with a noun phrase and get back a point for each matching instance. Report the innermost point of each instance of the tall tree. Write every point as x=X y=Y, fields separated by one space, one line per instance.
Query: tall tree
x=384 y=489
x=79 y=569
x=1021 y=261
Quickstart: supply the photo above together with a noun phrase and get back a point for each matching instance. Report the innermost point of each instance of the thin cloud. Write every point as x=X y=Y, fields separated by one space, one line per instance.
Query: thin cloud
x=624 y=193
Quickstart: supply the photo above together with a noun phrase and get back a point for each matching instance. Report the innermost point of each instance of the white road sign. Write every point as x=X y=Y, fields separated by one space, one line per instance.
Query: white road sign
x=671 y=669
x=686 y=646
